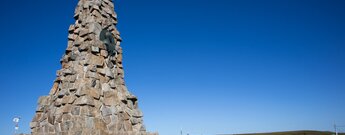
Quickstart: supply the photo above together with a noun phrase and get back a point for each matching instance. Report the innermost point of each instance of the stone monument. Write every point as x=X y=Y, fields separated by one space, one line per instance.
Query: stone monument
x=89 y=95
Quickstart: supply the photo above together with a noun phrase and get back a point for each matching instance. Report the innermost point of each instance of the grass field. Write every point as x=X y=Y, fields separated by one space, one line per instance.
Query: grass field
x=295 y=133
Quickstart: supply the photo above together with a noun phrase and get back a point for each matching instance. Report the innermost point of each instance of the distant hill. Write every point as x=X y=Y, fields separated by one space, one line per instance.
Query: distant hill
x=306 y=132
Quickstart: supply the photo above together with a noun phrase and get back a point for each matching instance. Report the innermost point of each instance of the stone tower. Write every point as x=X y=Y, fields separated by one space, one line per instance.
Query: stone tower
x=89 y=96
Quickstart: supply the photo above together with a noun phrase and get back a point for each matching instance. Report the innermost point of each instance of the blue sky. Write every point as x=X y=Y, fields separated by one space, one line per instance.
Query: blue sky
x=206 y=66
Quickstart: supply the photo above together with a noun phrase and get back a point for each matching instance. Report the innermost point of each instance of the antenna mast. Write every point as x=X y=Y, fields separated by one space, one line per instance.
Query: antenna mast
x=16 y=121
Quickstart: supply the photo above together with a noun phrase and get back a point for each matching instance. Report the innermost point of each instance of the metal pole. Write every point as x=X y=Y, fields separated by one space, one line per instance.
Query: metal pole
x=335 y=129
x=16 y=127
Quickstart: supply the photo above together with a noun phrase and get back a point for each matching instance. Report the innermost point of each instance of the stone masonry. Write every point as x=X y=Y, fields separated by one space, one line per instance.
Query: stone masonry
x=89 y=96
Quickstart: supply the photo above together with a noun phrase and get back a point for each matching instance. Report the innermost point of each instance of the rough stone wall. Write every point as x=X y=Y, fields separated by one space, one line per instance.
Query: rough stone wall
x=89 y=96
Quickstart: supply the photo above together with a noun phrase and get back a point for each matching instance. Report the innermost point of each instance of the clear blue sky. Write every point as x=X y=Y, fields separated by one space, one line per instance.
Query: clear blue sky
x=207 y=66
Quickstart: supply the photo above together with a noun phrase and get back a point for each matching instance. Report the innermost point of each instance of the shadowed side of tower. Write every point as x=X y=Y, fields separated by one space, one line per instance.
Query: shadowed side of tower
x=89 y=96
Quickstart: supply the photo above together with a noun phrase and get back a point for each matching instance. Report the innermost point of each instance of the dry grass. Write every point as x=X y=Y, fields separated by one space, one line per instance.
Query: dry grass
x=296 y=133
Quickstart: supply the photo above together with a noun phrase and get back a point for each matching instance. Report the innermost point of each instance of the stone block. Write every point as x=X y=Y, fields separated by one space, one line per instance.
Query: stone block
x=75 y=110
x=54 y=88
x=94 y=49
x=83 y=32
x=66 y=126
x=62 y=93
x=95 y=93
x=95 y=28
x=85 y=100
x=67 y=109
x=71 y=29
x=43 y=100
x=82 y=91
x=105 y=87
x=104 y=53
x=109 y=73
x=89 y=123
x=33 y=124
x=95 y=60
